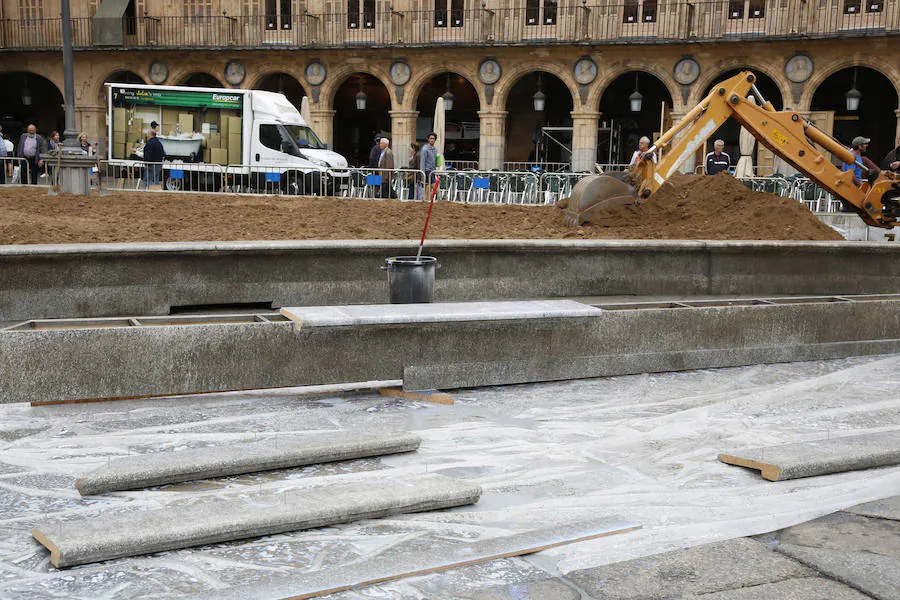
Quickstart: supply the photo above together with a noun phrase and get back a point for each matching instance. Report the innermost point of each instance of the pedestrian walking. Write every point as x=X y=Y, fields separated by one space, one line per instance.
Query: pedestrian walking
x=428 y=161
x=412 y=178
x=154 y=155
x=386 y=164
x=31 y=146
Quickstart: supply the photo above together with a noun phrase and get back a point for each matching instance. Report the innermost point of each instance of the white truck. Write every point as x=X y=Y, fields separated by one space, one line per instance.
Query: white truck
x=220 y=138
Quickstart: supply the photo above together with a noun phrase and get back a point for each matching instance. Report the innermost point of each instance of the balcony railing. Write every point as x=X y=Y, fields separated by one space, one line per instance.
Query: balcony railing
x=625 y=21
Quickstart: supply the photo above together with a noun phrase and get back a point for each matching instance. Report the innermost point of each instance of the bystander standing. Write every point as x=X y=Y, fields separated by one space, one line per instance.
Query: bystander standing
x=31 y=146
x=718 y=160
x=154 y=154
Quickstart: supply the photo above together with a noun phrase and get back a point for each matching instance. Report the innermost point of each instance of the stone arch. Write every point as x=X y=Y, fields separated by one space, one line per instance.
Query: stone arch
x=604 y=79
x=263 y=75
x=101 y=84
x=338 y=76
x=44 y=102
x=709 y=79
x=181 y=77
x=418 y=81
x=847 y=62
x=511 y=77
x=55 y=76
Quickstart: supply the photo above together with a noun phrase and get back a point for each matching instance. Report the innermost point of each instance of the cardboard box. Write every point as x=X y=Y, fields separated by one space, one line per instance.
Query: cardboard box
x=233 y=127
x=214 y=140
x=207 y=155
x=134 y=137
x=167 y=127
x=136 y=125
x=187 y=122
x=234 y=140
x=169 y=115
x=234 y=155
x=119 y=150
x=119 y=137
x=220 y=156
x=120 y=119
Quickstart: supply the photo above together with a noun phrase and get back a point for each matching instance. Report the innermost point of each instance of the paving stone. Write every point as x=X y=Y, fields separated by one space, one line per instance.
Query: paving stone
x=820 y=457
x=809 y=588
x=843 y=531
x=889 y=508
x=703 y=569
x=96 y=539
x=873 y=574
x=280 y=452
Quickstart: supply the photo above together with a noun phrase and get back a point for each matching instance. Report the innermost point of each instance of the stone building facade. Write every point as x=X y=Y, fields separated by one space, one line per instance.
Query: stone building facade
x=493 y=56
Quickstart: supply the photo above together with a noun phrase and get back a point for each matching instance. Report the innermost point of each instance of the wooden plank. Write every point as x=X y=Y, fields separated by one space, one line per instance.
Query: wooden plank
x=427 y=396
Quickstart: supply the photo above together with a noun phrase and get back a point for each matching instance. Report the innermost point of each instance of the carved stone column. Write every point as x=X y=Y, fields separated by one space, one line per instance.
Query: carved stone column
x=403 y=132
x=584 y=140
x=323 y=124
x=492 y=139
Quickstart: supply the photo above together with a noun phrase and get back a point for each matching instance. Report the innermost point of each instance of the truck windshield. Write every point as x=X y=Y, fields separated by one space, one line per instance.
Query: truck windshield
x=304 y=137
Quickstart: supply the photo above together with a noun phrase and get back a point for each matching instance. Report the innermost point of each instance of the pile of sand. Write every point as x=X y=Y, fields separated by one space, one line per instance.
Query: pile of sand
x=716 y=208
x=692 y=207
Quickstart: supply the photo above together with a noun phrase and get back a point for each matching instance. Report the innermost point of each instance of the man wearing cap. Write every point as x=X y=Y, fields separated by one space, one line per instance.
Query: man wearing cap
x=860 y=144
x=154 y=127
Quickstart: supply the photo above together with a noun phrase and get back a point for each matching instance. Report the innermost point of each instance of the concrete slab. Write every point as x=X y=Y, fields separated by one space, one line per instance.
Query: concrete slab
x=442 y=557
x=278 y=452
x=704 y=569
x=889 y=508
x=807 y=588
x=873 y=574
x=820 y=457
x=85 y=541
x=393 y=314
x=843 y=531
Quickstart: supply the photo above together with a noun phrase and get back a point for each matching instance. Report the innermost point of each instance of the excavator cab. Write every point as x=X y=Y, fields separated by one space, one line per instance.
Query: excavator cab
x=787 y=134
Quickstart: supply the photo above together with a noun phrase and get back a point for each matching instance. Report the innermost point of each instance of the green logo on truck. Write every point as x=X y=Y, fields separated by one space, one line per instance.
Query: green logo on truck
x=140 y=96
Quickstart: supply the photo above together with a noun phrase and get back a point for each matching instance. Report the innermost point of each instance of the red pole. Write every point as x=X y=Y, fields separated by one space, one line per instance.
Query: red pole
x=434 y=192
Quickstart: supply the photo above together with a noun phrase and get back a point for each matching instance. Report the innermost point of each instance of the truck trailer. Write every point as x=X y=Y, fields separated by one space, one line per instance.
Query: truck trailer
x=220 y=138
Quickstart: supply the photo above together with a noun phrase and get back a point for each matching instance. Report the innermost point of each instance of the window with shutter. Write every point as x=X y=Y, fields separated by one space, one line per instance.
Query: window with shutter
x=31 y=9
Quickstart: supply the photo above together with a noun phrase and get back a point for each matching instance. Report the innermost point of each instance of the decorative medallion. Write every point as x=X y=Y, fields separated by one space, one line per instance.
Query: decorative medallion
x=585 y=71
x=235 y=72
x=400 y=72
x=489 y=71
x=159 y=72
x=686 y=71
x=315 y=73
x=798 y=68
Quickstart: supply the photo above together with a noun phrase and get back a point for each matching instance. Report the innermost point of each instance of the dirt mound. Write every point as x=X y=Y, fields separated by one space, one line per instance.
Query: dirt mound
x=692 y=207
x=716 y=208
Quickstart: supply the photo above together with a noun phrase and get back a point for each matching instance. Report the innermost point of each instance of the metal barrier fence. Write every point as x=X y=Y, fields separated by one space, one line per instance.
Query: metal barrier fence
x=14 y=170
x=402 y=184
x=568 y=22
x=552 y=167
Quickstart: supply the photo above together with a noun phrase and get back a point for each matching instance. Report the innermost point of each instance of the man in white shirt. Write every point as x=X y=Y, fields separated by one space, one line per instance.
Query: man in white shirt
x=641 y=152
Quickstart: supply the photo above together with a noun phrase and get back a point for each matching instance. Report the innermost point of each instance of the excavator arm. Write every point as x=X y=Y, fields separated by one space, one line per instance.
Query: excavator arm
x=787 y=134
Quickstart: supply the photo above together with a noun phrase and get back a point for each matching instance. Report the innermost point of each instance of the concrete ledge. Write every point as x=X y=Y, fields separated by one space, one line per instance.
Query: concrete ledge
x=820 y=457
x=50 y=365
x=85 y=541
x=92 y=280
x=280 y=452
x=445 y=312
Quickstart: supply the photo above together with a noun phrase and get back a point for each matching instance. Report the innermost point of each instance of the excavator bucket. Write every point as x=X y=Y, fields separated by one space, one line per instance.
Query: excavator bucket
x=595 y=193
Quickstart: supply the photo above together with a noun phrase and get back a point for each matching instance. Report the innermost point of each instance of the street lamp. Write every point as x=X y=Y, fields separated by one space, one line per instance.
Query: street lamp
x=26 y=93
x=853 y=96
x=361 y=96
x=636 y=99
x=448 y=96
x=540 y=98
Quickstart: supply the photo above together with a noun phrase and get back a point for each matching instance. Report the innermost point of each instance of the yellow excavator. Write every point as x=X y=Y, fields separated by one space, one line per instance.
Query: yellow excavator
x=788 y=134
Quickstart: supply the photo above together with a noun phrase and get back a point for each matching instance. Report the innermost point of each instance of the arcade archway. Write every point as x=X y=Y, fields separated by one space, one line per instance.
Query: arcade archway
x=462 y=125
x=29 y=98
x=362 y=111
x=283 y=84
x=621 y=127
x=539 y=131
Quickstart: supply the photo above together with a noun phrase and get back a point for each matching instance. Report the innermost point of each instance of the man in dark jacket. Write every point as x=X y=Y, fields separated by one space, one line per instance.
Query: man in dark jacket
x=891 y=162
x=31 y=146
x=718 y=160
x=375 y=153
x=154 y=154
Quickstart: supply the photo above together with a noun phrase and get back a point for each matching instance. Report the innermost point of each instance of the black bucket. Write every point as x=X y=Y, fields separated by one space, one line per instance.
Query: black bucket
x=411 y=278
